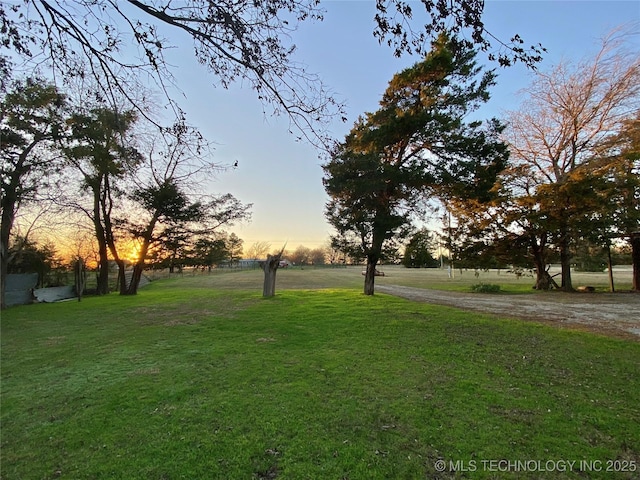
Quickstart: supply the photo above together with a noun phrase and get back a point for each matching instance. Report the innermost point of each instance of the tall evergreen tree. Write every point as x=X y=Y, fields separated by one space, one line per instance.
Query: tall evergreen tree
x=417 y=146
x=419 y=251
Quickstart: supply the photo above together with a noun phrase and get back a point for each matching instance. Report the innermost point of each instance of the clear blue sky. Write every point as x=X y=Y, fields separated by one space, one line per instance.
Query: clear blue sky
x=282 y=177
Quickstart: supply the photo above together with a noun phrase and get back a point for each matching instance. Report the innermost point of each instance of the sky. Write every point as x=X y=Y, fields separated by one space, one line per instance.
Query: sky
x=282 y=177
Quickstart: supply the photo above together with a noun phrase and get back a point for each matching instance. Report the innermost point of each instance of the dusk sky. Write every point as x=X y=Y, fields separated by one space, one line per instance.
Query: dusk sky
x=282 y=177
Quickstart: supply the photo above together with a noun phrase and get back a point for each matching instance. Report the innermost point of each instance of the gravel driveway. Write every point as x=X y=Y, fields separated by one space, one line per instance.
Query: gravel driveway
x=612 y=314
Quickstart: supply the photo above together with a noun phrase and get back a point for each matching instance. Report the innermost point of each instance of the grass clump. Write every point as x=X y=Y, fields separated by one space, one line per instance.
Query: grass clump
x=485 y=288
x=183 y=381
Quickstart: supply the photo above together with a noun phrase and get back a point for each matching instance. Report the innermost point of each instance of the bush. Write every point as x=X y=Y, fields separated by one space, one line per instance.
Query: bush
x=485 y=288
x=590 y=266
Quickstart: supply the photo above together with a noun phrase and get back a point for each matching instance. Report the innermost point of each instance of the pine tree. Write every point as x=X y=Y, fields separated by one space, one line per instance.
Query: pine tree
x=417 y=146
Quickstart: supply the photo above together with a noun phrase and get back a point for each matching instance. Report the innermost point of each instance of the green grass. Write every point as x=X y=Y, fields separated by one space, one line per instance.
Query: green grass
x=199 y=377
x=463 y=281
x=433 y=278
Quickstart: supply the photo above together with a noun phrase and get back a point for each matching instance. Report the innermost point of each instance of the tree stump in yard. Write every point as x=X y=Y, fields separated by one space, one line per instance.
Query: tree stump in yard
x=270 y=267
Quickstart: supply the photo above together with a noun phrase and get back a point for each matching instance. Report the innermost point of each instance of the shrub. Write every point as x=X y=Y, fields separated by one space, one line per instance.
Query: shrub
x=485 y=288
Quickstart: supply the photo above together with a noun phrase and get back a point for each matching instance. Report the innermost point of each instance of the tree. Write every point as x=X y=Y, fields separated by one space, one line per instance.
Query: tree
x=615 y=175
x=416 y=146
x=367 y=210
x=345 y=248
x=568 y=115
x=301 y=255
x=100 y=148
x=168 y=212
x=167 y=206
x=508 y=224
x=234 y=247
x=162 y=204
x=29 y=257
x=318 y=256
x=627 y=186
x=176 y=250
x=418 y=252
x=208 y=252
x=258 y=250
x=31 y=119
x=238 y=40
x=454 y=17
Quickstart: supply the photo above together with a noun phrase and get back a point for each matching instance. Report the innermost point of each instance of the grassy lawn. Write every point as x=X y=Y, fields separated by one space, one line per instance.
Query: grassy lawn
x=462 y=281
x=199 y=378
x=433 y=278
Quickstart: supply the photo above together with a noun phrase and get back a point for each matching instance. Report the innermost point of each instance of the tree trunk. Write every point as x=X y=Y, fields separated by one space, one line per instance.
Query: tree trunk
x=80 y=277
x=111 y=244
x=270 y=267
x=370 y=275
x=8 y=203
x=373 y=257
x=138 y=268
x=635 y=258
x=103 y=270
x=610 y=268
x=122 y=278
x=4 y=268
x=136 y=275
x=9 y=200
x=4 y=258
x=103 y=256
x=543 y=279
x=565 y=260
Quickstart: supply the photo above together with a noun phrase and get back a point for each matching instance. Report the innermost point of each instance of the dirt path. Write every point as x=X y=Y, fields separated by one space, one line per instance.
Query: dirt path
x=611 y=314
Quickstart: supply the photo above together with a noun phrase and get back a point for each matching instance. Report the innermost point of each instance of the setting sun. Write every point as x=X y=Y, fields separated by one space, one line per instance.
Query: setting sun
x=131 y=250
